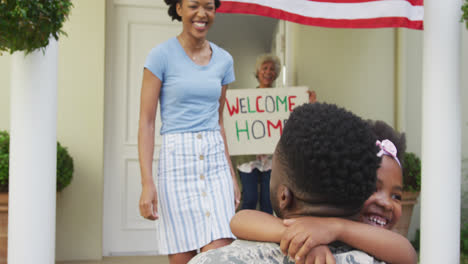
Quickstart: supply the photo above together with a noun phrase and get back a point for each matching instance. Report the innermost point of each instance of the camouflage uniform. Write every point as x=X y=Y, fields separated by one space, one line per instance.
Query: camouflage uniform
x=250 y=252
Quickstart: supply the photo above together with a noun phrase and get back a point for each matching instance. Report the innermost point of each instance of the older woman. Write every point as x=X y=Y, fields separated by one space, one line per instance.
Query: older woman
x=257 y=171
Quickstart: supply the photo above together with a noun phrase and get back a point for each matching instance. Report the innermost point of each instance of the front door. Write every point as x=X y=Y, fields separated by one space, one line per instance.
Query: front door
x=133 y=28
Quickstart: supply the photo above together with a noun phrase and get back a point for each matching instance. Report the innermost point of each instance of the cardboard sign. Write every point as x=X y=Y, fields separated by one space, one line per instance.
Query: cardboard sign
x=254 y=118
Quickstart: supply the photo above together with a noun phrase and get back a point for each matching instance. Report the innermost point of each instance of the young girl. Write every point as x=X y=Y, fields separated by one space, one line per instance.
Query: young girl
x=196 y=184
x=304 y=238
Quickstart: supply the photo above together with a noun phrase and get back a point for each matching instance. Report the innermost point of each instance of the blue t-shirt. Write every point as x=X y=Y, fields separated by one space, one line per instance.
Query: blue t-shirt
x=190 y=93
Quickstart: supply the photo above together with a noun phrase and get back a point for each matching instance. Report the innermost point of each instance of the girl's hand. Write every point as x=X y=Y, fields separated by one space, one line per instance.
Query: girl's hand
x=318 y=255
x=305 y=233
x=149 y=202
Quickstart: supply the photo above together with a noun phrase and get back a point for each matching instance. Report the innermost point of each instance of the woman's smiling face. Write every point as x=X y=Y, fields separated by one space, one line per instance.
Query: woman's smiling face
x=197 y=16
x=383 y=208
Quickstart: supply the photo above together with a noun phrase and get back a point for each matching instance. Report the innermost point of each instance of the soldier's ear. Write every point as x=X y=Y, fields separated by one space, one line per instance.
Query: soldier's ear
x=285 y=197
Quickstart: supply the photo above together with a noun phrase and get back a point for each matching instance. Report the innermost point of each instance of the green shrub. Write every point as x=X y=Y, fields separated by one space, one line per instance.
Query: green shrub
x=463 y=242
x=464 y=239
x=463 y=259
x=27 y=25
x=465 y=13
x=411 y=172
x=64 y=164
x=64 y=167
x=417 y=240
x=4 y=160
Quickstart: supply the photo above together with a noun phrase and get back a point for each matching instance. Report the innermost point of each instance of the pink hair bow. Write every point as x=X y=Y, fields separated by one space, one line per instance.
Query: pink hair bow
x=387 y=148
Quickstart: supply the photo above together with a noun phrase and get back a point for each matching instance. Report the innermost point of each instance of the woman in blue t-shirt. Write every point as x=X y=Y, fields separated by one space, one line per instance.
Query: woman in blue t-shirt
x=196 y=187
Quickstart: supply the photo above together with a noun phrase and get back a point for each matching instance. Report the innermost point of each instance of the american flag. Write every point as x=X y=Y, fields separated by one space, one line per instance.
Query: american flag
x=335 y=13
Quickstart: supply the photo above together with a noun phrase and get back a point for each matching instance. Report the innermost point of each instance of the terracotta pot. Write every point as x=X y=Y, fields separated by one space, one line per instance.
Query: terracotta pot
x=3 y=227
x=408 y=200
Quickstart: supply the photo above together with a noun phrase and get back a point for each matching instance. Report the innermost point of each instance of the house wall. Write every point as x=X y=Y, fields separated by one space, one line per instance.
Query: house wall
x=353 y=68
x=412 y=43
x=79 y=128
x=5 y=72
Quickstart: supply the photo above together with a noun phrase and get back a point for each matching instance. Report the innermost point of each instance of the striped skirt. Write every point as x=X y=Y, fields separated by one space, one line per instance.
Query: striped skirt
x=195 y=191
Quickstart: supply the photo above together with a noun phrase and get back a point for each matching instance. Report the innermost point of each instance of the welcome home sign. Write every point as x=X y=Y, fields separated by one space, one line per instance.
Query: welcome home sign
x=254 y=118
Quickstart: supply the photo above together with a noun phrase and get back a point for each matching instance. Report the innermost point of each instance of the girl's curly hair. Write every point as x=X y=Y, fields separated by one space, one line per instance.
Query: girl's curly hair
x=172 y=11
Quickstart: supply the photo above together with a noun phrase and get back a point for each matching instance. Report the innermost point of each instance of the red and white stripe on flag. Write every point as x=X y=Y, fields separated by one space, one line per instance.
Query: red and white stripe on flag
x=335 y=13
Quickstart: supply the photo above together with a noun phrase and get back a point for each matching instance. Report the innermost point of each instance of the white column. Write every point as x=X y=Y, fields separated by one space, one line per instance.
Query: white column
x=33 y=154
x=441 y=133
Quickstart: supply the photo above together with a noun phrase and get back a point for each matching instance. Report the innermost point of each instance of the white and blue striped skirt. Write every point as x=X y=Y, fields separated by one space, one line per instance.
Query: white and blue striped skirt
x=195 y=191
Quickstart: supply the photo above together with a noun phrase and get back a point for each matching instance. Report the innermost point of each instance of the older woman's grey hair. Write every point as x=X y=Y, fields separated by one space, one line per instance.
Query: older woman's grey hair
x=267 y=58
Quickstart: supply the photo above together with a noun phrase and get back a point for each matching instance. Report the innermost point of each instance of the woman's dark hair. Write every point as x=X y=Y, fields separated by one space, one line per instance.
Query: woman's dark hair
x=383 y=131
x=172 y=11
x=329 y=154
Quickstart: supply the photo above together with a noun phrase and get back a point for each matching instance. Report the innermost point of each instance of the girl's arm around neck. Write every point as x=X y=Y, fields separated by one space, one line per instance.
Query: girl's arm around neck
x=257 y=226
x=305 y=233
x=381 y=243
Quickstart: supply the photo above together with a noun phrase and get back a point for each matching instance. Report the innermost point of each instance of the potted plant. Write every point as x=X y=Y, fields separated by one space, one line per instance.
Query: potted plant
x=64 y=164
x=411 y=188
x=64 y=176
x=411 y=173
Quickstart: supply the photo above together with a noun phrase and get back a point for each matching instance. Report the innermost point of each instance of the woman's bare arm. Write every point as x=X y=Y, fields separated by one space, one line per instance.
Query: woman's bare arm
x=150 y=91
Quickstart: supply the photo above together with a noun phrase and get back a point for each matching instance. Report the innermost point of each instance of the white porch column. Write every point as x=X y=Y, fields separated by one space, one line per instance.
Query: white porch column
x=33 y=155
x=441 y=133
